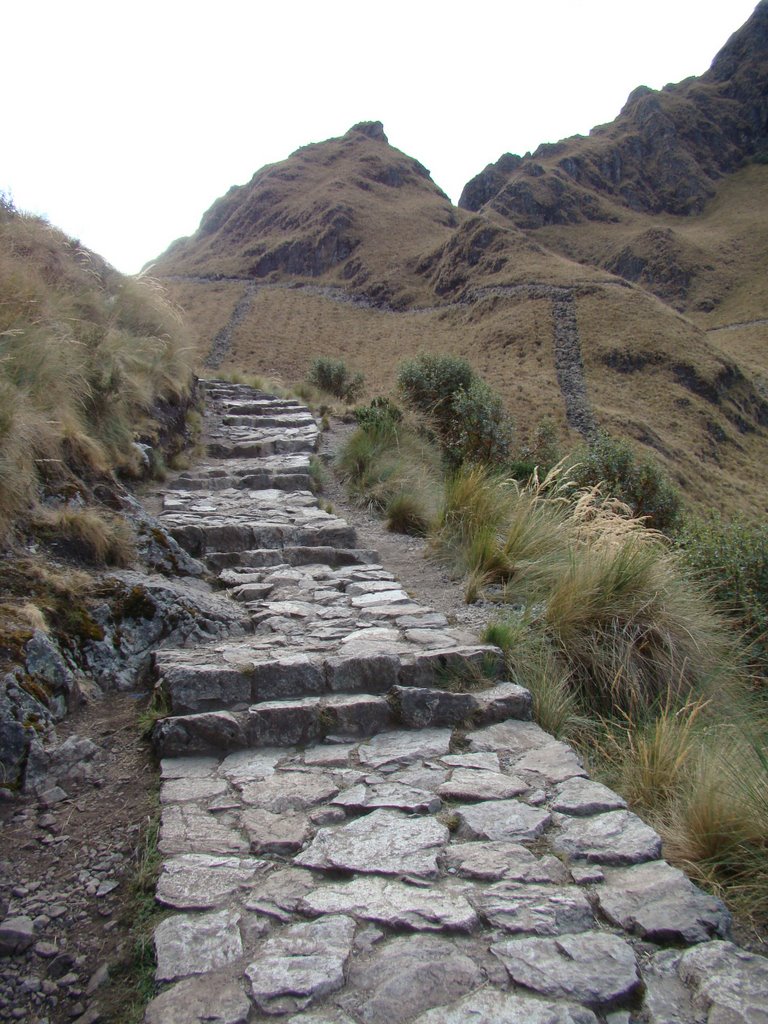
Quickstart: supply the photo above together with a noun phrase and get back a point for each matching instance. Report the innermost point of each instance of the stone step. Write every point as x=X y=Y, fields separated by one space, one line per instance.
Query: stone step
x=257 y=479
x=293 y=556
x=200 y=539
x=258 y=448
x=339 y=716
x=242 y=673
x=274 y=419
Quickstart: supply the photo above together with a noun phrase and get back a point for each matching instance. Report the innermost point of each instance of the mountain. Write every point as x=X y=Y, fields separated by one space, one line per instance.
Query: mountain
x=595 y=282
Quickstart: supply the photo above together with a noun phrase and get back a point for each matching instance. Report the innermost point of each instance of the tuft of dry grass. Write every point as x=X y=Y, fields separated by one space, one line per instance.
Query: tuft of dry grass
x=88 y=534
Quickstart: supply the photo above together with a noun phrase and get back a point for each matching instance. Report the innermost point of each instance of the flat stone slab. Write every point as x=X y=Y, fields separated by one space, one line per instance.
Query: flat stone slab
x=394 y=904
x=300 y=964
x=289 y=791
x=728 y=984
x=404 y=747
x=246 y=766
x=535 y=909
x=476 y=784
x=615 y=838
x=554 y=762
x=185 y=790
x=408 y=975
x=580 y=797
x=493 y=861
x=490 y=1007
x=195 y=944
x=594 y=968
x=282 y=833
x=501 y=819
x=395 y=795
x=382 y=842
x=200 y=1000
x=196 y=881
x=187 y=828
x=660 y=904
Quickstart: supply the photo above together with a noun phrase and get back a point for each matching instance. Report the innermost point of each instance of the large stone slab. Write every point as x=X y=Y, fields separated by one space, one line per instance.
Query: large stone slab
x=476 y=784
x=407 y=976
x=580 y=797
x=594 y=968
x=301 y=964
x=501 y=819
x=394 y=795
x=246 y=766
x=535 y=909
x=185 y=790
x=658 y=903
x=279 y=894
x=196 y=943
x=187 y=828
x=616 y=838
x=289 y=791
x=404 y=747
x=491 y=1007
x=282 y=833
x=382 y=842
x=554 y=762
x=493 y=861
x=394 y=904
x=512 y=737
x=195 y=881
x=200 y=1000
x=729 y=985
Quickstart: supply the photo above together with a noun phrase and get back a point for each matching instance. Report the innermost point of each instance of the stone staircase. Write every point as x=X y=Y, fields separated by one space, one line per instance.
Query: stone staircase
x=362 y=825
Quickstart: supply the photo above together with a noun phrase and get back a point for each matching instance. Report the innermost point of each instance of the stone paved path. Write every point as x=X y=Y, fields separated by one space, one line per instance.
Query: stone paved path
x=355 y=832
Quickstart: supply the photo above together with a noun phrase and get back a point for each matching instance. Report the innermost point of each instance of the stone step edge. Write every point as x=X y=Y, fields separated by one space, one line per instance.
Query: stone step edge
x=336 y=717
x=293 y=556
x=192 y=689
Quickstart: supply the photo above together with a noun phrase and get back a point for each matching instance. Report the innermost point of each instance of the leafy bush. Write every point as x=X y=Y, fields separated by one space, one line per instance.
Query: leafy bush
x=381 y=412
x=732 y=558
x=466 y=414
x=332 y=375
x=637 y=480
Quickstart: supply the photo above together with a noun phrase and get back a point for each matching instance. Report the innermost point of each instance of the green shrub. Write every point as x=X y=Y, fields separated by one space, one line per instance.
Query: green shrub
x=637 y=480
x=732 y=559
x=466 y=414
x=380 y=412
x=332 y=375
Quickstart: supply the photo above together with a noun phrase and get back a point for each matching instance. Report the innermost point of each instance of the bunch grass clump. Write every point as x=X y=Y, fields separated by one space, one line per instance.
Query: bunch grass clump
x=85 y=354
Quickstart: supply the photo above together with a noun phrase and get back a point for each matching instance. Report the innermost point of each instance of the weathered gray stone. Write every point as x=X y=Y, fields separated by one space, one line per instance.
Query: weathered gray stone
x=16 y=935
x=355 y=714
x=275 y=833
x=200 y=1000
x=513 y=737
x=186 y=828
x=580 y=797
x=404 y=747
x=658 y=903
x=335 y=755
x=487 y=761
x=501 y=819
x=490 y=1007
x=383 y=842
x=246 y=766
x=729 y=984
x=420 y=706
x=594 y=968
x=476 y=784
x=194 y=881
x=555 y=762
x=188 y=767
x=301 y=964
x=289 y=791
x=407 y=976
x=490 y=862
x=500 y=702
x=279 y=894
x=615 y=838
x=394 y=904
x=195 y=944
x=185 y=790
x=535 y=909
x=395 y=795
x=205 y=733
x=284 y=723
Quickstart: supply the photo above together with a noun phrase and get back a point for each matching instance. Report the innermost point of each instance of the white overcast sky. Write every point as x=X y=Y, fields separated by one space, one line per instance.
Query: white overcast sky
x=122 y=122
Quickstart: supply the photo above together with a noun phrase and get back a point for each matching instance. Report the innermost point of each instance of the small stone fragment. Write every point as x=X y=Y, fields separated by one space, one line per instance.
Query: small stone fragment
x=275 y=833
x=16 y=935
x=580 y=797
x=476 y=784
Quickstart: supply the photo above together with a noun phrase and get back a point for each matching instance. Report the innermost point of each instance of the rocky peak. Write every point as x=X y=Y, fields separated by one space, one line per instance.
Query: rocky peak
x=373 y=129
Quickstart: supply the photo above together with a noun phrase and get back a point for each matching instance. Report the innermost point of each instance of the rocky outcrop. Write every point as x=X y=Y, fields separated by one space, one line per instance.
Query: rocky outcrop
x=662 y=154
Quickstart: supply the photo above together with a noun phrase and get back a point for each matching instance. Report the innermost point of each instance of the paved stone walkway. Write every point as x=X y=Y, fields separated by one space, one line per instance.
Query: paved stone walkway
x=362 y=825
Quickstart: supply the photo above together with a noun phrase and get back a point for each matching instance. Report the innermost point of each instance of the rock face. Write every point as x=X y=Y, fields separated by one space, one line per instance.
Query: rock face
x=387 y=875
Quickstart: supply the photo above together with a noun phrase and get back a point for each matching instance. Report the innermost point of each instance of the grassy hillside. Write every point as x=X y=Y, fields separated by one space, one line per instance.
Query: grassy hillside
x=90 y=362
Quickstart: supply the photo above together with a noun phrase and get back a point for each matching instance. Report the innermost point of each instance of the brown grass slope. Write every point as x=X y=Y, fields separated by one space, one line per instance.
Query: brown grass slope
x=348 y=249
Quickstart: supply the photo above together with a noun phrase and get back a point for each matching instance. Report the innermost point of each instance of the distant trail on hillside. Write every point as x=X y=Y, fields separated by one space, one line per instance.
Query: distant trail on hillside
x=221 y=343
x=569 y=365
x=738 y=324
